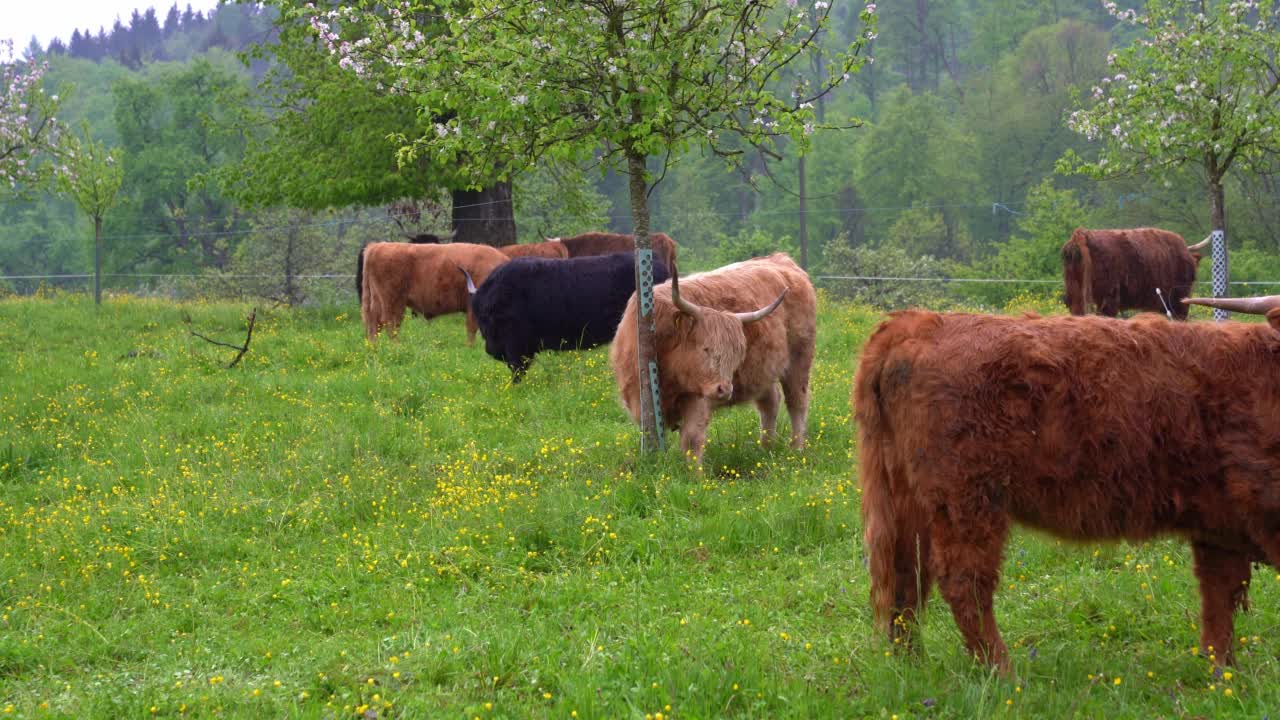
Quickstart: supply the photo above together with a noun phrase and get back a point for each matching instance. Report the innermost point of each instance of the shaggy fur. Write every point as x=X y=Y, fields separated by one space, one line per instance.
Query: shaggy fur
x=423 y=278
x=532 y=304
x=719 y=360
x=545 y=249
x=1084 y=427
x=600 y=243
x=1121 y=269
x=421 y=238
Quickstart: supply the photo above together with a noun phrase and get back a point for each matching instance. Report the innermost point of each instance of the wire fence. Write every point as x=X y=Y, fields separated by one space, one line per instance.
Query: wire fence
x=319 y=253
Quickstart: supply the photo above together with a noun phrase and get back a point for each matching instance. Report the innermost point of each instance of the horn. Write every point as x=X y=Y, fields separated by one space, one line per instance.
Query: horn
x=680 y=302
x=747 y=317
x=471 y=286
x=1252 y=306
x=1200 y=245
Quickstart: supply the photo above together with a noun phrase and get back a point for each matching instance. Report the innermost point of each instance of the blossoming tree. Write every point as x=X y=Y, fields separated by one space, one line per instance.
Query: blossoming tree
x=1198 y=86
x=29 y=129
x=92 y=176
x=618 y=81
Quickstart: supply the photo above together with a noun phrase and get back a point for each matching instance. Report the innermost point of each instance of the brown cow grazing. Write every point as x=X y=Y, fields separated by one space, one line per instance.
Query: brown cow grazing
x=423 y=278
x=419 y=239
x=726 y=337
x=602 y=243
x=1122 y=269
x=546 y=249
x=1084 y=427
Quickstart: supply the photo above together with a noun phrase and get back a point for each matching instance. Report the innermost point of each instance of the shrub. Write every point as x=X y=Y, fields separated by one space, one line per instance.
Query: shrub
x=885 y=262
x=752 y=243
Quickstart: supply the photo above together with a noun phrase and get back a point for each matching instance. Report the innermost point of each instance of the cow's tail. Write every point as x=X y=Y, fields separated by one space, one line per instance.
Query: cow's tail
x=360 y=274
x=895 y=529
x=1077 y=272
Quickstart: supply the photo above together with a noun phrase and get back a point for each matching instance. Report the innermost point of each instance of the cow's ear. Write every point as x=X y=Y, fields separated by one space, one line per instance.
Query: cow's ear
x=1273 y=318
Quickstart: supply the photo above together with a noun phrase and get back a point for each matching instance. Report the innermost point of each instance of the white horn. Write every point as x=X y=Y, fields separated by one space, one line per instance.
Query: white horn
x=1200 y=245
x=1253 y=306
x=471 y=286
x=678 y=301
x=747 y=317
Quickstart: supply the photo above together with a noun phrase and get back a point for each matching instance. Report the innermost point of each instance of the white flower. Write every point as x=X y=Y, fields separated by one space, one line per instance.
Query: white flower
x=520 y=99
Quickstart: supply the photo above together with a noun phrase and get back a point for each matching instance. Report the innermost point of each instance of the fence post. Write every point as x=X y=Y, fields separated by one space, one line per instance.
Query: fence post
x=1219 y=246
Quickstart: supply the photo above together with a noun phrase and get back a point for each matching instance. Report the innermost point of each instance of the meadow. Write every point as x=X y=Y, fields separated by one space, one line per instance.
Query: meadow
x=336 y=530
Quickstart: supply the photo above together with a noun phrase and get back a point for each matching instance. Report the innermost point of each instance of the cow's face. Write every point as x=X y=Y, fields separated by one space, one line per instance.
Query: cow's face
x=709 y=344
x=492 y=346
x=706 y=352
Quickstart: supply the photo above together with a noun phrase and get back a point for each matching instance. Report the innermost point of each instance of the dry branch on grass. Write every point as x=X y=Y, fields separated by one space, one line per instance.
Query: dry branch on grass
x=253 y=316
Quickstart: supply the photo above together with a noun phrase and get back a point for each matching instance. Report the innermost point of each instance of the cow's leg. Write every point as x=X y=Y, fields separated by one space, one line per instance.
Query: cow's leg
x=795 y=387
x=968 y=543
x=1224 y=583
x=394 y=316
x=694 y=417
x=767 y=406
x=369 y=314
x=472 y=326
x=913 y=574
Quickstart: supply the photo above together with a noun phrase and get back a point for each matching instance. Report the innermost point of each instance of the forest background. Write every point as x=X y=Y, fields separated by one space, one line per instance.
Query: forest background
x=253 y=166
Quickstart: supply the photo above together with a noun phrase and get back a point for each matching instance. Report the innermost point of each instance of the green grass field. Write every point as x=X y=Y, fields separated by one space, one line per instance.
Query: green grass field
x=333 y=530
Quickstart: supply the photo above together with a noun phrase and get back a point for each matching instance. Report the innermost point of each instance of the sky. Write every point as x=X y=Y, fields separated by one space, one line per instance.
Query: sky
x=47 y=19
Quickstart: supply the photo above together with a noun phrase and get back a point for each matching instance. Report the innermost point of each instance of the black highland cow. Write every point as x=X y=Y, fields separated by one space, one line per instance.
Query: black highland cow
x=531 y=304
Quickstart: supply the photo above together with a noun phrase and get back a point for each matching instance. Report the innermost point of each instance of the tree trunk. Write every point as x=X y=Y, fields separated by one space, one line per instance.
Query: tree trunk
x=646 y=342
x=1218 y=224
x=290 y=290
x=97 y=260
x=804 y=220
x=484 y=217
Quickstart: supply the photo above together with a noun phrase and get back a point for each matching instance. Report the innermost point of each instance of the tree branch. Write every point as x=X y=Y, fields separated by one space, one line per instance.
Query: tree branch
x=253 y=316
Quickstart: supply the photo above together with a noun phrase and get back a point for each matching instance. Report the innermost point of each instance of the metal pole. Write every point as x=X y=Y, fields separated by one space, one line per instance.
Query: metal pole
x=1220 y=274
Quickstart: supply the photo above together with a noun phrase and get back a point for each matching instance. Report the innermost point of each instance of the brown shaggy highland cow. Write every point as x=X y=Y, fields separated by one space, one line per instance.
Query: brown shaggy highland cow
x=602 y=243
x=424 y=278
x=1088 y=428
x=546 y=249
x=1121 y=270
x=726 y=337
